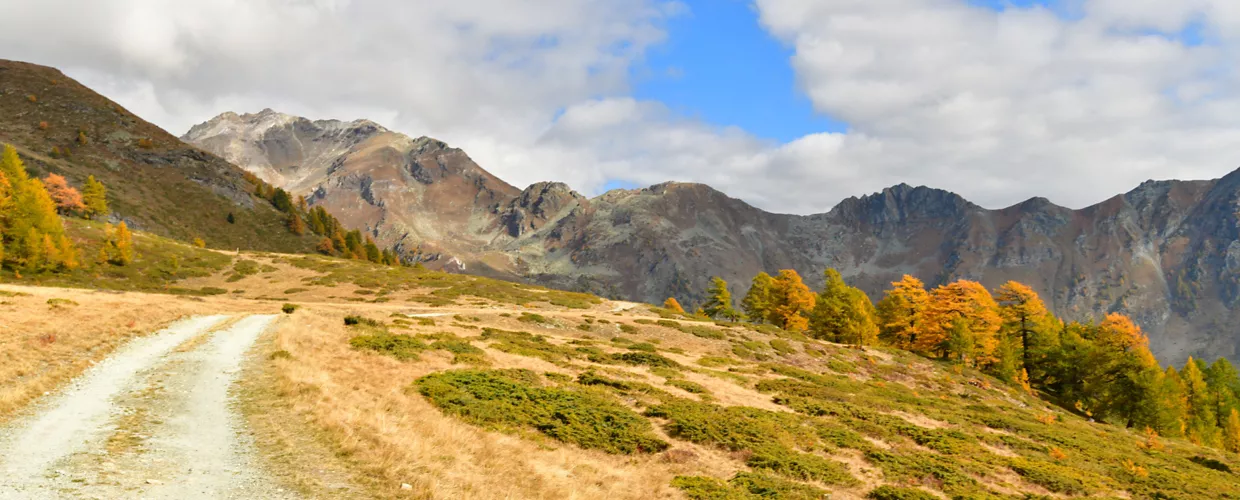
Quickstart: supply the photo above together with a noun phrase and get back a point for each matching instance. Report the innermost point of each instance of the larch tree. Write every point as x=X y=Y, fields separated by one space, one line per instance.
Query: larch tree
x=843 y=313
x=790 y=301
x=899 y=312
x=295 y=224
x=68 y=200
x=1202 y=427
x=673 y=305
x=757 y=301
x=719 y=300
x=1231 y=432
x=1026 y=321
x=967 y=303
x=118 y=245
x=95 y=197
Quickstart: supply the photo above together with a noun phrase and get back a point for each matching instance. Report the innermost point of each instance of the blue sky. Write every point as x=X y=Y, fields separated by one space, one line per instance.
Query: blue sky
x=720 y=66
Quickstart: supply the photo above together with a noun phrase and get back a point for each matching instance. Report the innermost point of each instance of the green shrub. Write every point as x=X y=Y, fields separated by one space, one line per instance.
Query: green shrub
x=528 y=344
x=516 y=399
x=642 y=346
x=534 y=318
x=399 y=346
x=290 y=308
x=898 y=493
x=463 y=352
x=797 y=465
x=354 y=320
x=708 y=488
x=426 y=321
x=291 y=291
x=764 y=486
x=280 y=354
x=242 y=269
x=782 y=346
x=61 y=302
x=1054 y=477
x=627 y=328
x=688 y=386
x=634 y=358
x=716 y=361
x=705 y=332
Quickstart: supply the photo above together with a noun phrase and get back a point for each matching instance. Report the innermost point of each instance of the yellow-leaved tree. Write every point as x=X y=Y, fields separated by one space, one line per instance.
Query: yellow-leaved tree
x=961 y=321
x=32 y=234
x=899 y=313
x=790 y=301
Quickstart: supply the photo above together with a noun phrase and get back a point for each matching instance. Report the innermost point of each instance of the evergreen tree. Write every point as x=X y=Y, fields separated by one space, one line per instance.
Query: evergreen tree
x=282 y=200
x=843 y=313
x=232 y=219
x=757 y=301
x=719 y=300
x=673 y=305
x=373 y=253
x=790 y=302
x=95 y=197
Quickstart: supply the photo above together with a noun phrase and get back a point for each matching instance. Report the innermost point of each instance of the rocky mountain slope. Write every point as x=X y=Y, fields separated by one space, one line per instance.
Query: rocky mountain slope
x=1165 y=253
x=156 y=183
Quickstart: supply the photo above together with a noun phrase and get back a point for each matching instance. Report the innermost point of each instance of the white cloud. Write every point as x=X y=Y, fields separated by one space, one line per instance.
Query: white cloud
x=996 y=106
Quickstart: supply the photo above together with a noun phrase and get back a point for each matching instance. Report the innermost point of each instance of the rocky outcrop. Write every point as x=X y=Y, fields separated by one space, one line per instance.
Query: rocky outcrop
x=1167 y=253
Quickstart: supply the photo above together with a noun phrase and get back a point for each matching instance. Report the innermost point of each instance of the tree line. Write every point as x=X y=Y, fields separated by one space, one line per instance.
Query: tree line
x=336 y=240
x=32 y=234
x=1102 y=370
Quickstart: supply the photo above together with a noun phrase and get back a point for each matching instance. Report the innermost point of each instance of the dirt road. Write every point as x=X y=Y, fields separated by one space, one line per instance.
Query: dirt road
x=154 y=420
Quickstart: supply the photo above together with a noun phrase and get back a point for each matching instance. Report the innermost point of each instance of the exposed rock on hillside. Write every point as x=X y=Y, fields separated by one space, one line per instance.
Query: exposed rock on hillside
x=1165 y=253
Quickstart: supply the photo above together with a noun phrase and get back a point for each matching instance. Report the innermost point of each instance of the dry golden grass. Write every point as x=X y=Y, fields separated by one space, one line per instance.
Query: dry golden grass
x=394 y=436
x=42 y=347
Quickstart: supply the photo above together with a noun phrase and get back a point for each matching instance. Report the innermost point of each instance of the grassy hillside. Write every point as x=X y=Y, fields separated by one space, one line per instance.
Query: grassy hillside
x=407 y=383
x=156 y=183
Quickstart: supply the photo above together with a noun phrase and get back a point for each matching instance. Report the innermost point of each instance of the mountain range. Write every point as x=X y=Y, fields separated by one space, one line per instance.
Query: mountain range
x=1166 y=253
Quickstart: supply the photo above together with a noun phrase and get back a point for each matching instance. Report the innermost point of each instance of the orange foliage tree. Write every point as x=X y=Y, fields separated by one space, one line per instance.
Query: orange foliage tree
x=68 y=199
x=961 y=321
x=900 y=311
x=790 y=301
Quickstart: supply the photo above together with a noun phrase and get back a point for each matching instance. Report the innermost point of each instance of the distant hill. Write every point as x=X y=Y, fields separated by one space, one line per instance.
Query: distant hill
x=156 y=182
x=1165 y=253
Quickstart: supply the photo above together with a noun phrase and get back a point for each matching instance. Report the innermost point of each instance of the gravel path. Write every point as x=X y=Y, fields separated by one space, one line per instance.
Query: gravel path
x=154 y=420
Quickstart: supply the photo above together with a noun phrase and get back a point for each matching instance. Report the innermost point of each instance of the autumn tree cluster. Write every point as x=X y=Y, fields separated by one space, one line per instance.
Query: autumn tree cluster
x=32 y=236
x=335 y=239
x=1102 y=370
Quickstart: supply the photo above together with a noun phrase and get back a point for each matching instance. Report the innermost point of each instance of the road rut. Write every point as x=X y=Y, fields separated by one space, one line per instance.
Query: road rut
x=154 y=420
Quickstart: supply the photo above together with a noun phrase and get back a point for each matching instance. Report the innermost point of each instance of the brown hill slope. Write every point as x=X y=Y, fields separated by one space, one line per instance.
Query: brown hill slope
x=156 y=182
x=1165 y=253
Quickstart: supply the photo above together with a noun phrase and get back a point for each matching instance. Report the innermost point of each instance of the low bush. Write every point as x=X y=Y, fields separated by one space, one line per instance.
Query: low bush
x=898 y=493
x=354 y=320
x=517 y=399
x=290 y=308
x=399 y=346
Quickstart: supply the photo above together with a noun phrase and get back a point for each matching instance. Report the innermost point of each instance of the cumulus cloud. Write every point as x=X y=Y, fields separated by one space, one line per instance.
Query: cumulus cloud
x=997 y=106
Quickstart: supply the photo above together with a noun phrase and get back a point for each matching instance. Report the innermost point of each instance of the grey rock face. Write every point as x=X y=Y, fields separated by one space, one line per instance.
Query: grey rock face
x=1167 y=253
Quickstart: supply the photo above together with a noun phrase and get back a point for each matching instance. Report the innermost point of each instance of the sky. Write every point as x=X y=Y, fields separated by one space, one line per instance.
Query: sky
x=790 y=105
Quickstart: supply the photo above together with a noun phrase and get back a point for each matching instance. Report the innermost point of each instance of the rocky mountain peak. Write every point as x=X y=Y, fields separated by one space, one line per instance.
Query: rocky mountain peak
x=902 y=203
